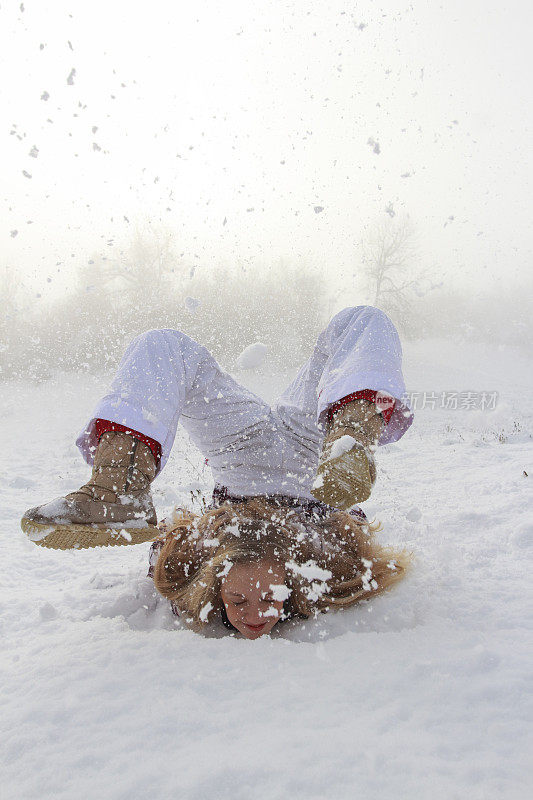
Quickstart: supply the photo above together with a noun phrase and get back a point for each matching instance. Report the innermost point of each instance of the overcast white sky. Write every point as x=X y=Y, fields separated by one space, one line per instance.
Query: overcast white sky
x=194 y=113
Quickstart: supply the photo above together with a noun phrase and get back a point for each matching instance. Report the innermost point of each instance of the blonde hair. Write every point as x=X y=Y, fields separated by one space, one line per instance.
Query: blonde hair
x=330 y=563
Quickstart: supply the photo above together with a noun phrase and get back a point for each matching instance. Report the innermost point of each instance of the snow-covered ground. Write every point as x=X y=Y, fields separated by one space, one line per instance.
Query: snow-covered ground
x=423 y=693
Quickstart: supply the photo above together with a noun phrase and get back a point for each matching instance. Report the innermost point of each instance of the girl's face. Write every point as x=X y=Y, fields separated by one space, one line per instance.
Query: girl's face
x=248 y=592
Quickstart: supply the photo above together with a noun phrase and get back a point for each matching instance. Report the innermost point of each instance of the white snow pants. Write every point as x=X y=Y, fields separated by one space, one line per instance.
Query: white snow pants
x=165 y=377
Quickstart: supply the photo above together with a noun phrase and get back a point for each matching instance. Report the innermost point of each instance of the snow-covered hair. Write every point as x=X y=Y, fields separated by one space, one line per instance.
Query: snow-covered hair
x=329 y=563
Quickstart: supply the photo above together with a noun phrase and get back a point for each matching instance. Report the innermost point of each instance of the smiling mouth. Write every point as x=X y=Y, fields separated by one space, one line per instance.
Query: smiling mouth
x=255 y=627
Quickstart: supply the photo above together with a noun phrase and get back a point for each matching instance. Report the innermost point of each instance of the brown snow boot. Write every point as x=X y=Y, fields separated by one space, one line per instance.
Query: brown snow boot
x=346 y=468
x=114 y=508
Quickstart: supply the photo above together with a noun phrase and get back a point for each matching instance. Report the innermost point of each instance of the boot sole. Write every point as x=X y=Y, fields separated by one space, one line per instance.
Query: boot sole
x=81 y=537
x=345 y=480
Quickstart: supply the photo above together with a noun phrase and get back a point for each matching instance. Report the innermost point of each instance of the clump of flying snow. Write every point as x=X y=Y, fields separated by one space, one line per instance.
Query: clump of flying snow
x=280 y=592
x=252 y=357
x=226 y=566
x=271 y=612
x=211 y=542
x=192 y=304
x=318 y=483
x=204 y=613
x=340 y=446
x=310 y=571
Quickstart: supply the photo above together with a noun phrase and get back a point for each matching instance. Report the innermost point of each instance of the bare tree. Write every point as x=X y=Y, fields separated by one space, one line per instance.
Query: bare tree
x=391 y=265
x=148 y=265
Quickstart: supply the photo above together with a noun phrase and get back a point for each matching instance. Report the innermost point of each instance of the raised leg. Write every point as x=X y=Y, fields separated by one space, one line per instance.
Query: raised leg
x=165 y=377
x=359 y=349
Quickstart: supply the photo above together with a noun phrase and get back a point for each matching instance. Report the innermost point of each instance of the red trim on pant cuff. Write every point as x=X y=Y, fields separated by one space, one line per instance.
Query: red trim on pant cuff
x=365 y=394
x=104 y=425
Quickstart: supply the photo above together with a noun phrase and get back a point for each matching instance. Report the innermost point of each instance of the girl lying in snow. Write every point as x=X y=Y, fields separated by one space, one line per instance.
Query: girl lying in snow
x=311 y=453
x=259 y=561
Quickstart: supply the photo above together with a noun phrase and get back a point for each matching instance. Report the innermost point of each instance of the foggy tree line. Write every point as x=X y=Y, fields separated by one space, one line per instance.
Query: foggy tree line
x=149 y=287
x=284 y=305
